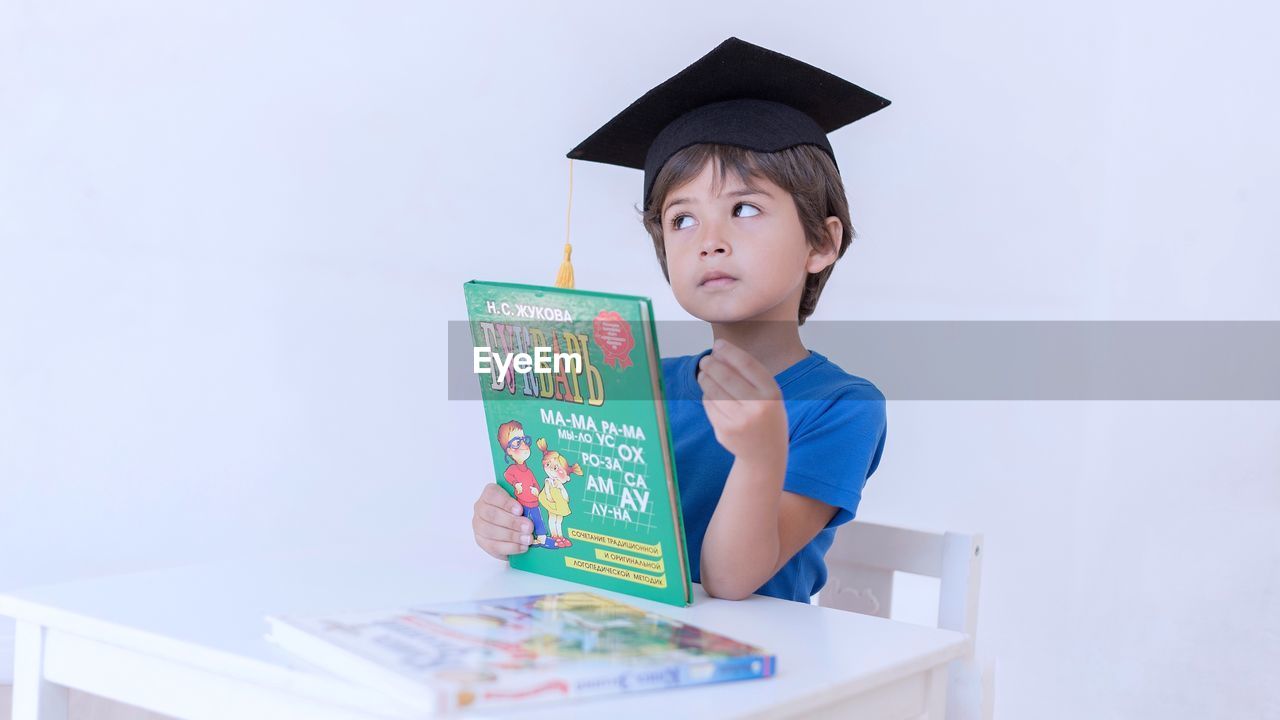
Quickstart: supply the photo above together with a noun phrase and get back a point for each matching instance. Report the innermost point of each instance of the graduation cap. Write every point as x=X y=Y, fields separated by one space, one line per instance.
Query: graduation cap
x=737 y=94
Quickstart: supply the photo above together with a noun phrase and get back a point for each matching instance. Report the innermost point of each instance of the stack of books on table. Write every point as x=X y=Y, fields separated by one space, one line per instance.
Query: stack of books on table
x=436 y=658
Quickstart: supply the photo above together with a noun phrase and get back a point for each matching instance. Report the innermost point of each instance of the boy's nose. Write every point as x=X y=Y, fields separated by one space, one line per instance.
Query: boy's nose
x=714 y=240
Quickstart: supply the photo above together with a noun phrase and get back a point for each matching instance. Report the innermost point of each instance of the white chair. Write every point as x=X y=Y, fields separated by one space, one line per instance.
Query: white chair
x=860 y=567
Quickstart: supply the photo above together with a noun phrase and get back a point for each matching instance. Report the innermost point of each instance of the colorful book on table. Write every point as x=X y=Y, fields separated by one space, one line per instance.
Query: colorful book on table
x=440 y=657
x=571 y=382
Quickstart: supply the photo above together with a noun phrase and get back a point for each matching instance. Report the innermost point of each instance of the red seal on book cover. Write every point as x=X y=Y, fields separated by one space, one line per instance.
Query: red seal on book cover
x=613 y=335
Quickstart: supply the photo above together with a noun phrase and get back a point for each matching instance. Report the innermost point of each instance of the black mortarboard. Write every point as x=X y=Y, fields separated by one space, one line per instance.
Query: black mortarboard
x=737 y=94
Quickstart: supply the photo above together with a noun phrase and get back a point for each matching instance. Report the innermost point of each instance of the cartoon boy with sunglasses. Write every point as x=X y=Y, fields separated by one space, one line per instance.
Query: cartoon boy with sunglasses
x=516 y=445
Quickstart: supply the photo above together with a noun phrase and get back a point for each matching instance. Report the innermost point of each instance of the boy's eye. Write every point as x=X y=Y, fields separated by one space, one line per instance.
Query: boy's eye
x=745 y=206
x=675 y=222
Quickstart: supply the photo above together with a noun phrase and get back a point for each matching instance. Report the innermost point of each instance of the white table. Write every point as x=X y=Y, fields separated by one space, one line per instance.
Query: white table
x=189 y=642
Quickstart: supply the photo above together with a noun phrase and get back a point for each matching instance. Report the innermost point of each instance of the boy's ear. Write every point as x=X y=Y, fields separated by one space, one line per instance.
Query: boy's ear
x=821 y=259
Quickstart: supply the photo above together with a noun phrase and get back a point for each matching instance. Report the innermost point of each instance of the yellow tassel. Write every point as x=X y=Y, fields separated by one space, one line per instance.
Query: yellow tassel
x=564 y=278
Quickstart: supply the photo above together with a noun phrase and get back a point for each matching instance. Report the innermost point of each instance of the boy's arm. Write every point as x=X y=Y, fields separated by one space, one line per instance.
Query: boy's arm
x=757 y=526
x=756 y=529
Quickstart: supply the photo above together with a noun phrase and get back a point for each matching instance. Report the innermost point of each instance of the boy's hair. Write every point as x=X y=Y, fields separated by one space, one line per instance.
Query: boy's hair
x=804 y=171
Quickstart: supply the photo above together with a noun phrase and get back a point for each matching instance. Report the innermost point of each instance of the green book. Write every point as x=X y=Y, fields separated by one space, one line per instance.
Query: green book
x=576 y=419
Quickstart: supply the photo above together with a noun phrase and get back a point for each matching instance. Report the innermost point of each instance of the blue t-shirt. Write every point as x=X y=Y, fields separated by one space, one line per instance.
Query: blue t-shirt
x=836 y=424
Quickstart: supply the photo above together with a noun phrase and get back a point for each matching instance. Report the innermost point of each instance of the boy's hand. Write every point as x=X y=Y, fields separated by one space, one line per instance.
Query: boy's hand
x=499 y=524
x=743 y=403
x=519 y=488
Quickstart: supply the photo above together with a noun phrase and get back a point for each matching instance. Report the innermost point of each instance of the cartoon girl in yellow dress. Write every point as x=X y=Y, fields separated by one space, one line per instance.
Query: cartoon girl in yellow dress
x=554 y=497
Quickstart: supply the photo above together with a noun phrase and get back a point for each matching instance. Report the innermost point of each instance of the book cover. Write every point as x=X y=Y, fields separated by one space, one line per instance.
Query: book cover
x=583 y=446
x=435 y=658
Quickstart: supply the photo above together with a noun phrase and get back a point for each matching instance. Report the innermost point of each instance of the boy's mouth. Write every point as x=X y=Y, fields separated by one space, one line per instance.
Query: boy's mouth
x=715 y=279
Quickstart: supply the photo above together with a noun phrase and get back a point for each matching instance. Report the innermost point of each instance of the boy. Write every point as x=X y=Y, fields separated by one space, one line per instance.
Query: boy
x=746 y=209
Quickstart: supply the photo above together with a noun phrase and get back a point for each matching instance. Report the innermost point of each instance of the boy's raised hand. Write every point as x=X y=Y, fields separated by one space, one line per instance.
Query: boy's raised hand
x=499 y=523
x=743 y=402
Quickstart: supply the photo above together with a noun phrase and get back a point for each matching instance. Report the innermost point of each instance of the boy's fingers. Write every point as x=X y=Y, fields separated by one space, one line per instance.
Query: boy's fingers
x=728 y=378
x=715 y=412
x=713 y=391
x=741 y=360
x=507 y=506
x=501 y=550
x=494 y=493
x=497 y=533
x=494 y=515
x=719 y=412
x=496 y=496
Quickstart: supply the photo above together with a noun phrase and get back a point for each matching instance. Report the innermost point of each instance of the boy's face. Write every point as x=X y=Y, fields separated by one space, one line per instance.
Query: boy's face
x=750 y=235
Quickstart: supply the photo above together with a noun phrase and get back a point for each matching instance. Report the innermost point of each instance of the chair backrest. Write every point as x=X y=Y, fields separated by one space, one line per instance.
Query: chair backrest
x=864 y=556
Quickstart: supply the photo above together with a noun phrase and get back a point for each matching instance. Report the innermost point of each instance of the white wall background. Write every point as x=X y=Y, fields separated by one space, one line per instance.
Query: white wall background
x=231 y=234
